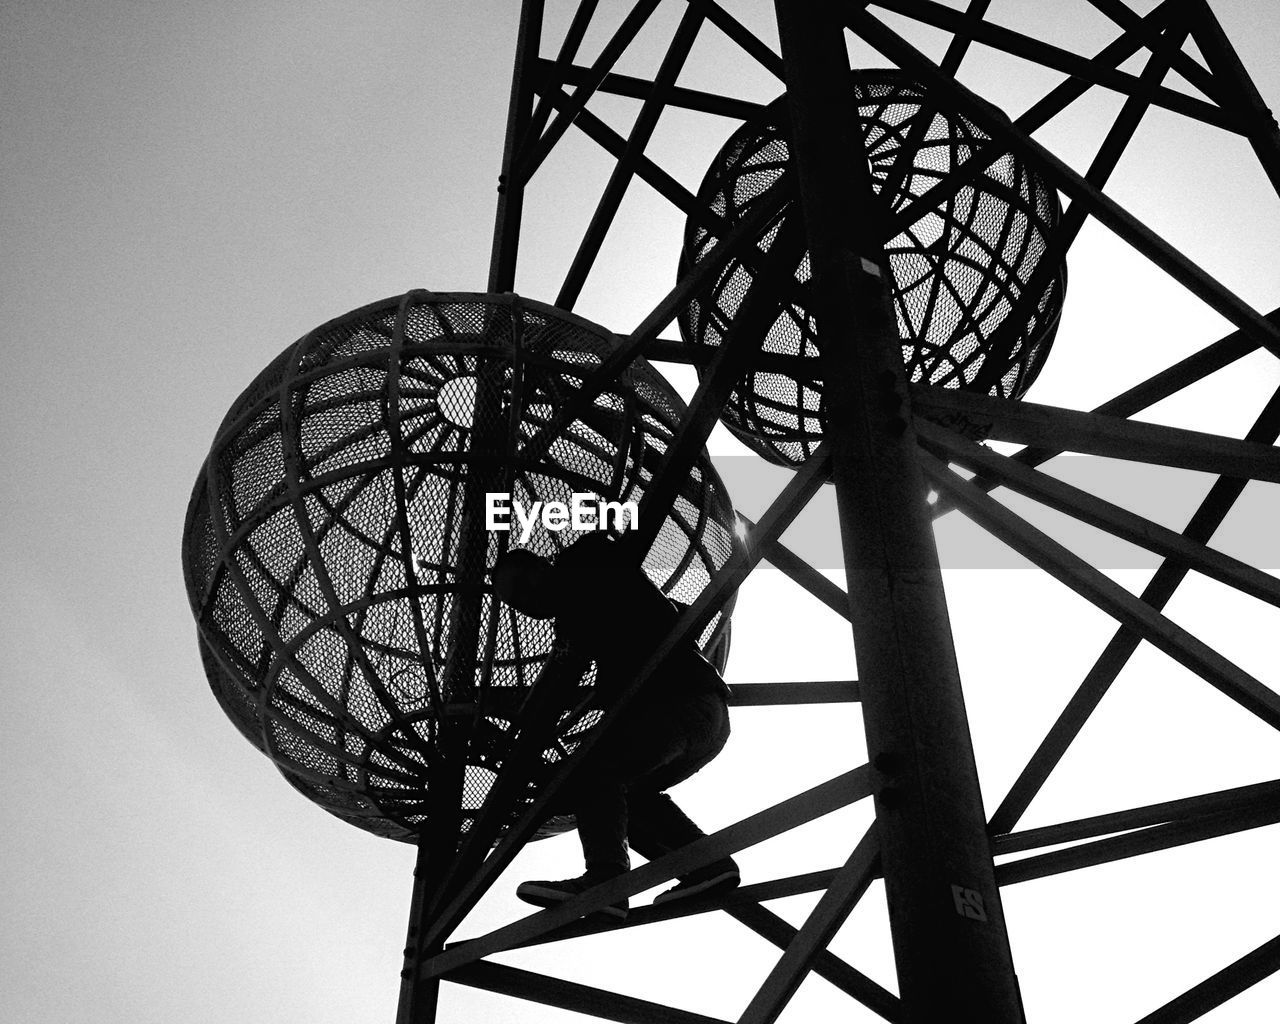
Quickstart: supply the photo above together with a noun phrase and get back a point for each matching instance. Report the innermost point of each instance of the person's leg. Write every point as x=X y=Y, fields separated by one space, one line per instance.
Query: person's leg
x=597 y=796
x=639 y=743
x=656 y=825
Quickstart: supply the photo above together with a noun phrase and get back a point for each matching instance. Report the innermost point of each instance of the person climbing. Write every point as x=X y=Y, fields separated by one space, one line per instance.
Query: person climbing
x=608 y=611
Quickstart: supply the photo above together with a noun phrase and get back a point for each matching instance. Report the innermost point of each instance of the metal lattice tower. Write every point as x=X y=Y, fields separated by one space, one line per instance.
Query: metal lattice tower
x=819 y=253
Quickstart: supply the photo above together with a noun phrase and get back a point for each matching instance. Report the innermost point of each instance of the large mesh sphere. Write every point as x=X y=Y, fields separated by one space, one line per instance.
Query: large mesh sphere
x=977 y=304
x=337 y=551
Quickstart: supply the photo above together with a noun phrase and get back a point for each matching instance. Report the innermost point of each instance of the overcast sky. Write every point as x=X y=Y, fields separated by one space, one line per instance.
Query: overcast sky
x=189 y=188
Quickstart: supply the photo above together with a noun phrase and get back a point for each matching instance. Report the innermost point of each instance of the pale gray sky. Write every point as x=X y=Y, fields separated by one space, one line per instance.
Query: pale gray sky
x=189 y=188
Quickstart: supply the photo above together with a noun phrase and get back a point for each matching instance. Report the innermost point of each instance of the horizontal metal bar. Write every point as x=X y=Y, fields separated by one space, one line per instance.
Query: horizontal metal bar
x=1265 y=811
x=1134 y=817
x=663 y=350
x=640 y=88
x=772 y=694
x=570 y=995
x=743 y=896
x=1092 y=433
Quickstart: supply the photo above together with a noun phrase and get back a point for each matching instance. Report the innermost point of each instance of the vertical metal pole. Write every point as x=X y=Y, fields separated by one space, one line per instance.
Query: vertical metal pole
x=437 y=847
x=950 y=943
x=506 y=226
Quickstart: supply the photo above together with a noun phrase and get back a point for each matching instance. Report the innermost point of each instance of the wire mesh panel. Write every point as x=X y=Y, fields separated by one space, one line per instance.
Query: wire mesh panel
x=977 y=302
x=337 y=546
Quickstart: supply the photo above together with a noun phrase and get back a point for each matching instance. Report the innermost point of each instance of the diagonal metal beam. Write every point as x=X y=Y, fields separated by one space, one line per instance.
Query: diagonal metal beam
x=530 y=160
x=1108 y=212
x=741 y=237
x=741 y=35
x=623 y=171
x=745 y=896
x=845 y=977
x=1098 y=512
x=641 y=88
x=788 y=814
x=1169 y=381
x=1201 y=528
x=1241 y=797
x=1054 y=102
x=1055 y=57
x=799 y=571
x=846 y=889
x=1263 y=811
x=474 y=883
x=1173 y=54
x=1091 y=433
x=570 y=995
x=1093 y=585
x=959 y=45
x=1193 y=1004
x=1062 y=238
x=1239 y=89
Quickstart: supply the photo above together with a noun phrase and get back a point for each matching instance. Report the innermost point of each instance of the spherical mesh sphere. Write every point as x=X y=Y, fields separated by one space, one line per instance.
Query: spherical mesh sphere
x=336 y=550
x=977 y=304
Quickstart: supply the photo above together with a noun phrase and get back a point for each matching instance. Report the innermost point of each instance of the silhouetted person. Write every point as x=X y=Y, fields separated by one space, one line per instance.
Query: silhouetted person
x=607 y=610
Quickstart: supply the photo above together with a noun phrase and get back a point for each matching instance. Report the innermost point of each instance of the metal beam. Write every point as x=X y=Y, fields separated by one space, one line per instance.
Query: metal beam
x=1091 y=433
x=640 y=88
x=745 y=896
x=799 y=571
x=475 y=883
x=1047 y=55
x=944 y=908
x=510 y=205
x=1193 y=1004
x=1097 y=512
x=1262 y=811
x=781 y=817
x=1124 y=224
x=963 y=37
x=825 y=964
x=819 y=928
x=1201 y=528
x=836 y=691
x=1093 y=585
x=1135 y=817
x=570 y=995
x=1238 y=88
x=615 y=189
x=531 y=159
x=1174 y=55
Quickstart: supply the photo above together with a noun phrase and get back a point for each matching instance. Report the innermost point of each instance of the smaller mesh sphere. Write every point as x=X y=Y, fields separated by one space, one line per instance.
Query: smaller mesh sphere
x=337 y=546
x=977 y=302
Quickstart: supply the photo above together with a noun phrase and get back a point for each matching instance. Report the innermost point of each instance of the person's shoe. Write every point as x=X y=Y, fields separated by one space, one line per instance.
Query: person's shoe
x=717 y=877
x=551 y=894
